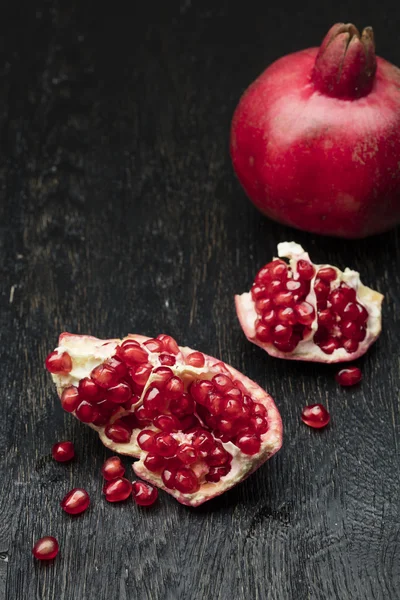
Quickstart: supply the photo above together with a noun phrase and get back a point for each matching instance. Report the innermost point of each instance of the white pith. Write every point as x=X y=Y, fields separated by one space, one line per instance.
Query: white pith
x=87 y=352
x=306 y=349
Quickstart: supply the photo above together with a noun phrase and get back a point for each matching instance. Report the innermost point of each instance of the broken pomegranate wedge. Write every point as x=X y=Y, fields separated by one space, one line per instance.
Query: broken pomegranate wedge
x=302 y=311
x=197 y=426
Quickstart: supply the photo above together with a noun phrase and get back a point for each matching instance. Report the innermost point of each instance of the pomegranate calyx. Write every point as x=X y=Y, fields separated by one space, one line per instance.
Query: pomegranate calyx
x=345 y=65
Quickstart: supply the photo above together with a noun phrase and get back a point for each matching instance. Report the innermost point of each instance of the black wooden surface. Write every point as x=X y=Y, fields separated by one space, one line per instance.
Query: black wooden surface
x=120 y=213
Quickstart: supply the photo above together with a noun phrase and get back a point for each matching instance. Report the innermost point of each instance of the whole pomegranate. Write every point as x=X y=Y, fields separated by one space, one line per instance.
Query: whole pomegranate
x=303 y=311
x=315 y=140
x=197 y=426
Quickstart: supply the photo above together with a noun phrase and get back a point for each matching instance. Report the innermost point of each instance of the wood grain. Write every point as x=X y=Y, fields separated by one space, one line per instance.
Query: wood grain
x=120 y=213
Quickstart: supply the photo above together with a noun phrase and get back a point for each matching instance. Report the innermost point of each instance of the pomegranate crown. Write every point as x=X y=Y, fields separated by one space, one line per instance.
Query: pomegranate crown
x=346 y=63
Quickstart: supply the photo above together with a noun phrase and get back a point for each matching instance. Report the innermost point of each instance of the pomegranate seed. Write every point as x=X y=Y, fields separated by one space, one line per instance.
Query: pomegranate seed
x=222 y=383
x=215 y=473
x=350 y=346
x=349 y=329
x=140 y=374
x=154 y=345
x=154 y=463
x=263 y=304
x=199 y=390
x=59 y=363
x=70 y=399
x=189 y=422
x=218 y=456
x=338 y=300
x=315 y=415
x=235 y=393
x=248 y=443
x=107 y=408
x=118 y=432
x=287 y=316
x=119 y=367
x=349 y=292
x=105 y=376
x=325 y=318
x=195 y=359
x=232 y=407
x=285 y=298
x=237 y=383
x=165 y=445
x=274 y=286
x=263 y=333
x=162 y=375
x=329 y=345
x=144 y=494
x=215 y=403
x=305 y=270
x=174 y=388
x=187 y=454
x=167 y=360
x=142 y=416
x=282 y=333
x=63 y=451
x=169 y=343
x=269 y=317
x=349 y=376
x=75 y=502
x=117 y=490
x=321 y=290
x=154 y=401
x=327 y=274
x=258 y=292
x=305 y=313
x=145 y=440
x=287 y=345
x=278 y=269
x=168 y=477
x=350 y=311
x=259 y=410
x=89 y=390
x=203 y=441
x=183 y=406
x=120 y=393
x=264 y=274
x=46 y=548
x=186 y=481
x=225 y=426
x=167 y=423
x=258 y=425
x=112 y=468
x=85 y=412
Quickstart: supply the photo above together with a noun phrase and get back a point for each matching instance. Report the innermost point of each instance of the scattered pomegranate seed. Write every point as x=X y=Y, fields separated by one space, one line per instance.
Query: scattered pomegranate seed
x=112 y=468
x=59 y=363
x=117 y=490
x=63 y=451
x=315 y=415
x=46 y=548
x=143 y=493
x=75 y=502
x=349 y=376
x=195 y=359
x=70 y=399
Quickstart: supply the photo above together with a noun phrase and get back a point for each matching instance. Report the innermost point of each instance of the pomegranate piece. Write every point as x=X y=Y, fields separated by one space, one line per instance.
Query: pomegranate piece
x=178 y=419
x=63 y=451
x=113 y=468
x=46 y=548
x=143 y=493
x=349 y=376
x=315 y=415
x=117 y=490
x=59 y=363
x=332 y=318
x=75 y=502
x=335 y=185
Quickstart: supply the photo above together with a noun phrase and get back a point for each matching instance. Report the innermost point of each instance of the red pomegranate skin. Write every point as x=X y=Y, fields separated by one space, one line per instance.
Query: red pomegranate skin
x=324 y=164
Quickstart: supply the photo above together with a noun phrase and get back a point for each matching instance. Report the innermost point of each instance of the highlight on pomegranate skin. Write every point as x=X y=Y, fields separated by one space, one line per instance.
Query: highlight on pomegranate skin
x=334 y=171
x=302 y=311
x=197 y=426
x=315 y=416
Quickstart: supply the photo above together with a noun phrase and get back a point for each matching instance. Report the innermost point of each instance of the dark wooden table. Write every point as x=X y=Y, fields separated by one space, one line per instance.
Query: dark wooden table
x=120 y=213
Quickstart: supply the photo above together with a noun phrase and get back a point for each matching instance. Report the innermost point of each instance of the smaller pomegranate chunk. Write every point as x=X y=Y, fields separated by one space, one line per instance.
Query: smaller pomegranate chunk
x=117 y=490
x=349 y=376
x=63 y=451
x=112 y=468
x=315 y=415
x=143 y=493
x=46 y=548
x=75 y=502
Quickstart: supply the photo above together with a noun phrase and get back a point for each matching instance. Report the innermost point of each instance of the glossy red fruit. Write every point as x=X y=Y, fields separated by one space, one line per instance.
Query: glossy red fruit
x=59 y=363
x=143 y=493
x=315 y=415
x=63 y=451
x=186 y=481
x=89 y=390
x=46 y=548
x=118 y=431
x=117 y=490
x=349 y=376
x=70 y=399
x=75 y=502
x=112 y=468
x=341 y=90
x=195 y=359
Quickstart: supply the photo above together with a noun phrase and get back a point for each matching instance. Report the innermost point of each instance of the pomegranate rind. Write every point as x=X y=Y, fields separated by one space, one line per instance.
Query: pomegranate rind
x=306 y=350
x=87 y=352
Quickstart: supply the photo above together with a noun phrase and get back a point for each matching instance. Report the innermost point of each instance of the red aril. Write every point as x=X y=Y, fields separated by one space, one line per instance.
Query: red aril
x=63 y=451
x=59 y=363
x=90 y=391
x=349 y=376
x=334 y=318
x=143 y=493
x=198 y=427
x=315 y=415
x=75 y=502
x=70 y=399
x=315 y=140
x=112 y=468
x=46 y=548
